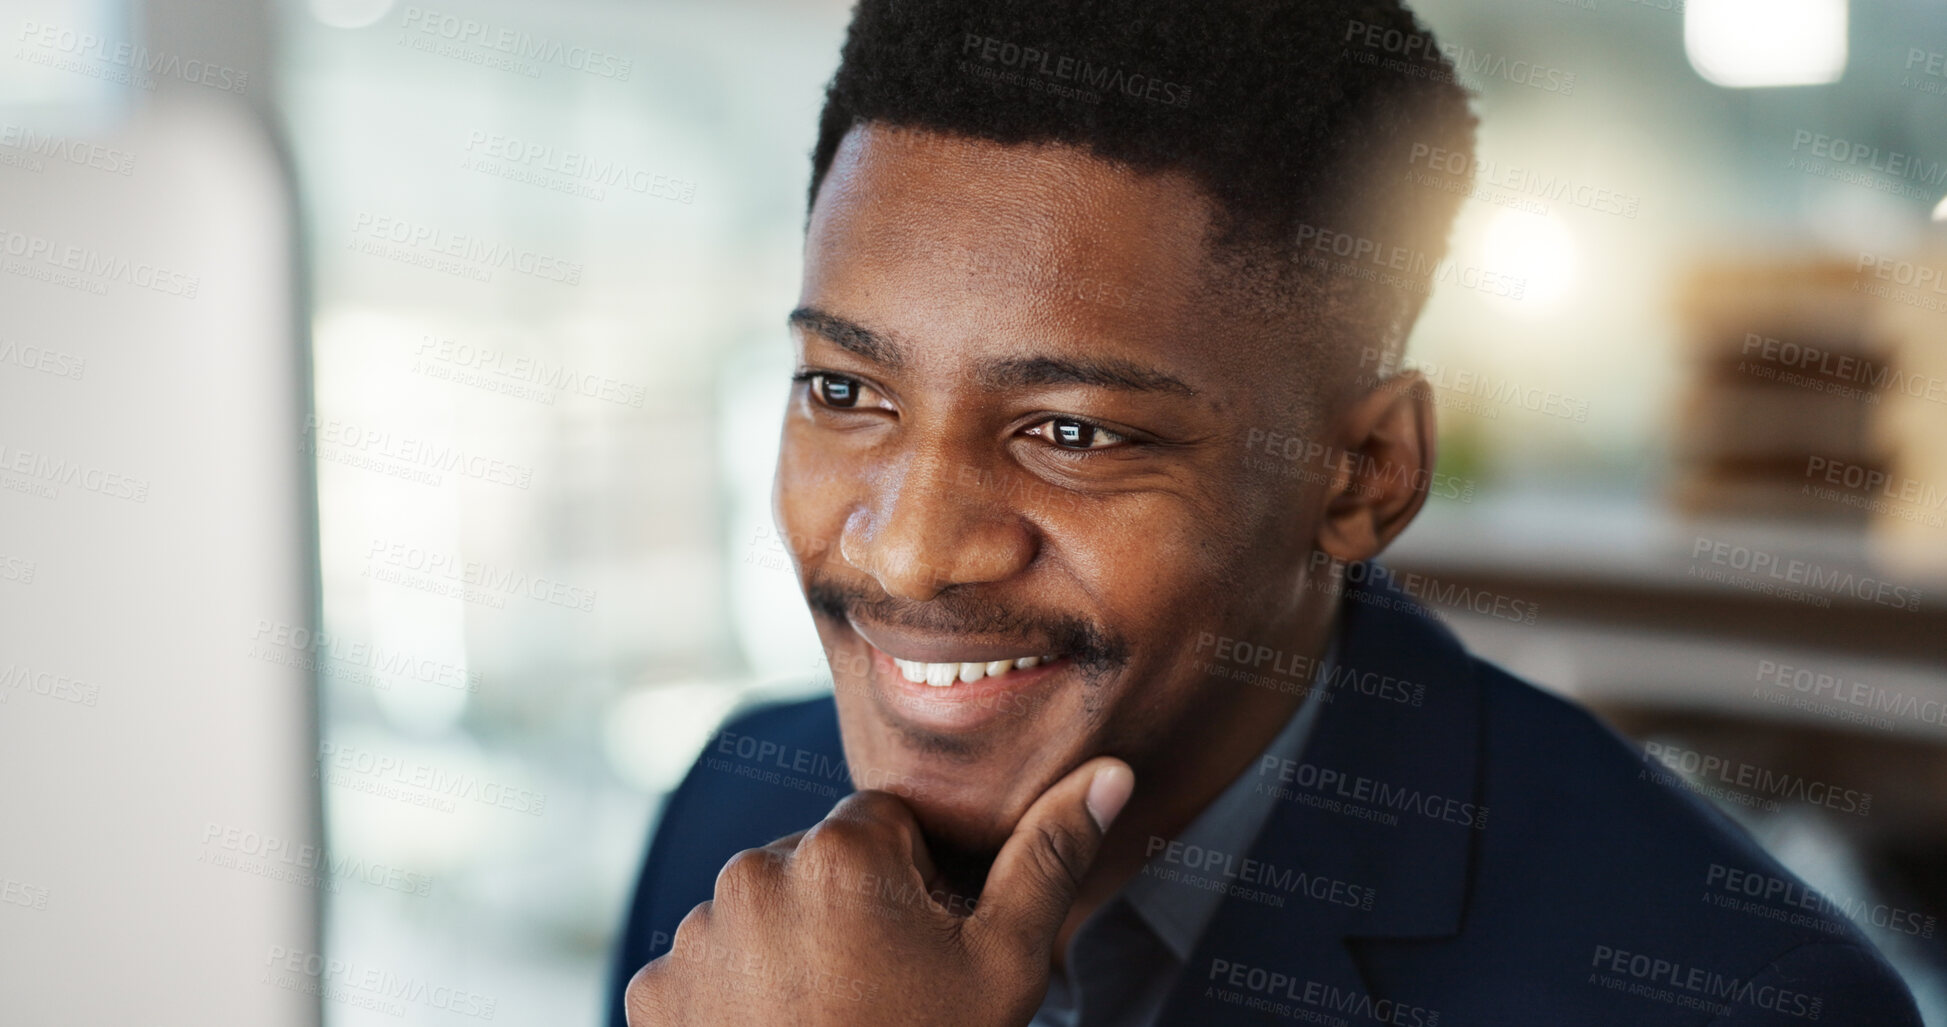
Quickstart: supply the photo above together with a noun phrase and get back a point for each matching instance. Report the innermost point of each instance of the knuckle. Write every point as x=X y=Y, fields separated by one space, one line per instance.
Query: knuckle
x=746 y=875
x=644 y=1001
x=875 y=811
x=694 y=925
x=1061 y=858
x=871 y=801
x=839 y=837
x=878 y=808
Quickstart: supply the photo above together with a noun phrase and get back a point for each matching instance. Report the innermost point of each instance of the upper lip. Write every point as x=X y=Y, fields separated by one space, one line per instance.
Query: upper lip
x=920 y=647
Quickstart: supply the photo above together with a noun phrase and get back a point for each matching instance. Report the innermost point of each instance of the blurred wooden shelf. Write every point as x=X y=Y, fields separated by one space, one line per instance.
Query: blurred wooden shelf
x=1634 y=565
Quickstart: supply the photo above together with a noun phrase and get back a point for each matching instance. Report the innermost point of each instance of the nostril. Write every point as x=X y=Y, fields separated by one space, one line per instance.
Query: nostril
x=921 y=541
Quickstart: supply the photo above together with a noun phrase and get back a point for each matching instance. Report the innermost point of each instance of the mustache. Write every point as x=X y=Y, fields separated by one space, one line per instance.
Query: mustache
x=1093 y=647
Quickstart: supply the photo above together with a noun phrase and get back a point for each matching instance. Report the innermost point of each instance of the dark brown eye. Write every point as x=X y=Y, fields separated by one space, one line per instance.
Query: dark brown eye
x=1068 y=433
x=834 y=391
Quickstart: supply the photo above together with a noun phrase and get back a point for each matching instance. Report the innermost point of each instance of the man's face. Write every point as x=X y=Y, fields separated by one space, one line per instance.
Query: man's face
x=1020 y=432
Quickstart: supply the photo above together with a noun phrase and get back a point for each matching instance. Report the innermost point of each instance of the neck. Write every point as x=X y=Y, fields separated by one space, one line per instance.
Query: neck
x=1196 y=762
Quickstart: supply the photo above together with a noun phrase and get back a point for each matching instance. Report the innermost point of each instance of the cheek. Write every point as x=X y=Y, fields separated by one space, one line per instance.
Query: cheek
x=1255 y=538
x=1156 y=561
x=811 y=494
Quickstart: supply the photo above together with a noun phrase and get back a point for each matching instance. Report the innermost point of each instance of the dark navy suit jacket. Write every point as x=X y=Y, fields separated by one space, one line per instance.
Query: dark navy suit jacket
x=1592 y=891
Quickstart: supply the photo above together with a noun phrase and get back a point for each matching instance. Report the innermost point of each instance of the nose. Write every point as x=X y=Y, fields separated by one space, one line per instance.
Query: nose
x=934 y=522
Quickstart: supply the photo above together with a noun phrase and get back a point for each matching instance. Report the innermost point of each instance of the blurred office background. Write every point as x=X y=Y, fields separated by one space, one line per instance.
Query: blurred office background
x=549 y=250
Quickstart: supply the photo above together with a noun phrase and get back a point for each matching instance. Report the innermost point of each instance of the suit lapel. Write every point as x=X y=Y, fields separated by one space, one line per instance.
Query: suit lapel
x=1346 y=872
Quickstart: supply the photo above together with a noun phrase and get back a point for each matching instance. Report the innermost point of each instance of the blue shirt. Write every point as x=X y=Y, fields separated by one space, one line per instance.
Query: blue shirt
x=1125 y=958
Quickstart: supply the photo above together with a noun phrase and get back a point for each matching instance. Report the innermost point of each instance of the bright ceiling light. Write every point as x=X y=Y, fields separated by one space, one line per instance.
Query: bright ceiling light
x=1535 y=249
x=1940 y=210
x=1744 y=43
x=349 y=14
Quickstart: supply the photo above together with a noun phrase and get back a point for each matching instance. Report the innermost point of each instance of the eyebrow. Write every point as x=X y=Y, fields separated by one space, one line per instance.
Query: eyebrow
x=850 y=336
x=1015 y=373
x=1121 y=375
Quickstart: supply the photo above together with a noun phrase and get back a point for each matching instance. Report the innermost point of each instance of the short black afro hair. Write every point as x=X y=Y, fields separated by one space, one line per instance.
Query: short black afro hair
x=1289 y=113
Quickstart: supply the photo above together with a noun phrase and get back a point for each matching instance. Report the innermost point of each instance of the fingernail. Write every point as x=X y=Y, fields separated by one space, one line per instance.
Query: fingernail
x=1108 y=792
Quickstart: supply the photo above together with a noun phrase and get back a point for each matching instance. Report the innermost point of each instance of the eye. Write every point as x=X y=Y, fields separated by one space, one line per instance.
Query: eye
x=1069 y=433
x=835 y=391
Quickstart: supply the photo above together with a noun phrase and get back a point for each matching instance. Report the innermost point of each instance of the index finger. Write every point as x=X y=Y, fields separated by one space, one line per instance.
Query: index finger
x=878 y=818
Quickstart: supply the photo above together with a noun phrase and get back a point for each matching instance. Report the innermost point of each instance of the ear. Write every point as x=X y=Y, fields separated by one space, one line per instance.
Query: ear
x=1381 y=469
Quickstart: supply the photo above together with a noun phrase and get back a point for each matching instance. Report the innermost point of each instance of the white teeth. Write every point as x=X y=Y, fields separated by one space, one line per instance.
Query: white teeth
x=942 y=675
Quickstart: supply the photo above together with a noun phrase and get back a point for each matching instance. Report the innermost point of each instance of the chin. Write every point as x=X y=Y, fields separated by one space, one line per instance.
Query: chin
x=964 y=800
x=964 y=832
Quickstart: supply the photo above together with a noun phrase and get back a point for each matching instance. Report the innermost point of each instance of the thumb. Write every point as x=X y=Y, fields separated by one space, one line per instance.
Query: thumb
x=1034 y=879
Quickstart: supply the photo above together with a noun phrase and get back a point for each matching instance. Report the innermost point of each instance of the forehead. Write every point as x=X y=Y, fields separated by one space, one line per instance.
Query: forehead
x=953 y=240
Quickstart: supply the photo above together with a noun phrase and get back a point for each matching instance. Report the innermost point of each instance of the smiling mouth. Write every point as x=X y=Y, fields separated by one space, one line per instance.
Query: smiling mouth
x=963 y=689
x=946 y=675
x=927 y=658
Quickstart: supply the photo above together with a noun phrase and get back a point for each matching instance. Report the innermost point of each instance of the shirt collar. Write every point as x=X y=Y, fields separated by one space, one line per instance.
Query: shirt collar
x=1178 y=914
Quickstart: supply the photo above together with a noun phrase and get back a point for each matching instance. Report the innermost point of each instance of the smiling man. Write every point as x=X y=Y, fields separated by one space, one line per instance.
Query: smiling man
x=1082 y=479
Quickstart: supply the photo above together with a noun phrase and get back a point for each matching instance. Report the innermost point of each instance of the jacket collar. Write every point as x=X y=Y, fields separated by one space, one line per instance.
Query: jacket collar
x=1418 y=763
